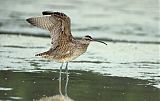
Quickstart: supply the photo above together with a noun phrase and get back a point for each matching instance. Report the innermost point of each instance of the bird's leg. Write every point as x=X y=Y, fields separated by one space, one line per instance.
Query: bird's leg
x=66 y=85
x=60 y=79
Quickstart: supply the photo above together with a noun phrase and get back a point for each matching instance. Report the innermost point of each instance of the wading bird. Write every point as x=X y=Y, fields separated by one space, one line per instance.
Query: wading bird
x=64 y=46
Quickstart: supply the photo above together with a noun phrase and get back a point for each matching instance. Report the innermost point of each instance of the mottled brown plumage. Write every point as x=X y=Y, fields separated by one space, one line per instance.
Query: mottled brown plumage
x=64 y=47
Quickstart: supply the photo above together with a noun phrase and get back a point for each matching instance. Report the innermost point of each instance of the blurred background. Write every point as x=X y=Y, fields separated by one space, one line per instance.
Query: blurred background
x=128 y=69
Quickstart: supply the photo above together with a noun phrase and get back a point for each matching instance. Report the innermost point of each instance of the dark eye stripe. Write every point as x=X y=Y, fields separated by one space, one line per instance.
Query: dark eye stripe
x=89 y=37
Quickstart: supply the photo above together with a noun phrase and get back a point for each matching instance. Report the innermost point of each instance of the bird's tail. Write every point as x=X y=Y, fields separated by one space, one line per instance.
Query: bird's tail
x=43 y=54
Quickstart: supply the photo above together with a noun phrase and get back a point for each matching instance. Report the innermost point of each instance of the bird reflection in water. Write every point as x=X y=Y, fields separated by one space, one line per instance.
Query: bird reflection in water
x=56 y=98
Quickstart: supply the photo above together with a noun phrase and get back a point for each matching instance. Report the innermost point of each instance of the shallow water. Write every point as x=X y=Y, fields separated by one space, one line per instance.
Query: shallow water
x=83 y=86
x=116 y=72
x=128 y=69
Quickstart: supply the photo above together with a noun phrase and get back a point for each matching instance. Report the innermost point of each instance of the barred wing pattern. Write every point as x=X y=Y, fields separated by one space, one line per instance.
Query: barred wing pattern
x=63 y=17
x=58 y=24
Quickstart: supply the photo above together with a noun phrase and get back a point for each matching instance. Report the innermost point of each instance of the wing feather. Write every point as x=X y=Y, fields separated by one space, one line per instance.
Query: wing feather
x=57 y=23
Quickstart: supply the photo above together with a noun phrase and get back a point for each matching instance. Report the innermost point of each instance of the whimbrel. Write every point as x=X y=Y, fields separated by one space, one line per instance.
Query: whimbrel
x=64 y=46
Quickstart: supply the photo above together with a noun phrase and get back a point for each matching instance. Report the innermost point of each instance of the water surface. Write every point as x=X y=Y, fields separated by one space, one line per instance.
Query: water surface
x=128 y=69
x=83 y=86
x=116 y=72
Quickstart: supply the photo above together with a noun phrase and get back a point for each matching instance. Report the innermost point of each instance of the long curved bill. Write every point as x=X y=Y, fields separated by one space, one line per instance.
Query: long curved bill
x=99 y=41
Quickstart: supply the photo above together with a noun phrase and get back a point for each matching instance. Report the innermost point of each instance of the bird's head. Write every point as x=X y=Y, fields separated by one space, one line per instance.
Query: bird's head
x=87 y=39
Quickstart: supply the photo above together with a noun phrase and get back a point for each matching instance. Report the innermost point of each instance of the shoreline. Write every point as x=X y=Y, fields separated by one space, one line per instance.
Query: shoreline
x=102 y=39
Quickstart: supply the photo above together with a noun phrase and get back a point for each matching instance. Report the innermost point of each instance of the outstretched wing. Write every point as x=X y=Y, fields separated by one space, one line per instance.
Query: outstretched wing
x=57 y=23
